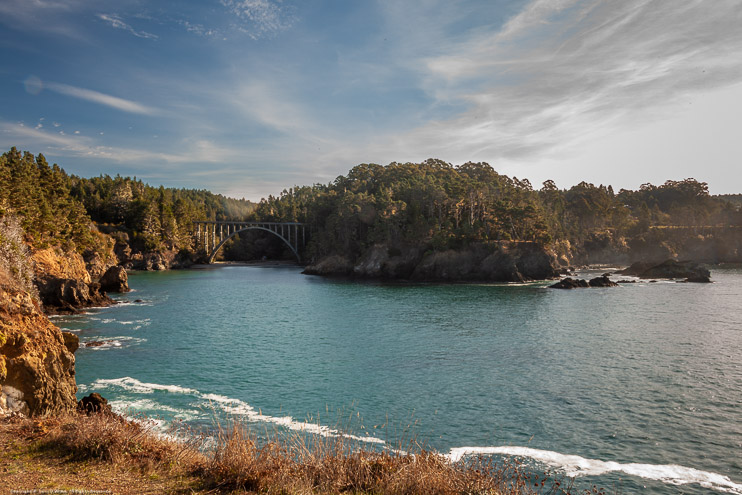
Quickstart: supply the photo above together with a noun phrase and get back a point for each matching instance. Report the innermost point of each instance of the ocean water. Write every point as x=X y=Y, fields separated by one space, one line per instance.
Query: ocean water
x=637 y=389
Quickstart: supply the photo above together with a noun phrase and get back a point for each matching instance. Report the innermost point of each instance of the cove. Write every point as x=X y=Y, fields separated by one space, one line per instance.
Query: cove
x=646 y=375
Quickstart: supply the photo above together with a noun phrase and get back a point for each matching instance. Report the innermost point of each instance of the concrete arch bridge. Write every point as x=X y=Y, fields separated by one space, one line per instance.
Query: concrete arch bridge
x=211 y=236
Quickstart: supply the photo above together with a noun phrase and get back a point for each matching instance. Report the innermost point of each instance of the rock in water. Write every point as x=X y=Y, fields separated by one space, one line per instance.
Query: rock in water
x=115 y=280
x=603 y=281
x=570 y=283
x=94 y=403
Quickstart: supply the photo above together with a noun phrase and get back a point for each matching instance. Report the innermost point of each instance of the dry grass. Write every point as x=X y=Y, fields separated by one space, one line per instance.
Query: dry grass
x=235 y=460
x=111 y=438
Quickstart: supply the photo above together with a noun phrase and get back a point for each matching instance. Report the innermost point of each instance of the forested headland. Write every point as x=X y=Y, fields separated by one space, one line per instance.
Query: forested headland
x=403 y=220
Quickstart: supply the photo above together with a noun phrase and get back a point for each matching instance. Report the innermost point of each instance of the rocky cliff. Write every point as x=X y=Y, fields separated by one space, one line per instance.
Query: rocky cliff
x=494 y=262
x=37 y=364
x=707 y=245
x=67 y=281
x=64 y=283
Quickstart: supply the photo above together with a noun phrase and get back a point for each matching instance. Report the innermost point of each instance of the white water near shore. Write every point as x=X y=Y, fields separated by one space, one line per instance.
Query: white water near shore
x=229 y=405
x=576 y=466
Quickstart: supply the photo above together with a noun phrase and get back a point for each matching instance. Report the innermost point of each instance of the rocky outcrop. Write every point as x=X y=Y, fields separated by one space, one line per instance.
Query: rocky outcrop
x=159 y=260
x=494 y=262
x=331 y=266
x=602 y=281
x=64 y=283
x=37 y=367
x=93 y=403
x=668 y=269
x=571 y=283
x=511 y=262
x=698 y=279
x=703 y=244
x=155 y=261
x=115 y=280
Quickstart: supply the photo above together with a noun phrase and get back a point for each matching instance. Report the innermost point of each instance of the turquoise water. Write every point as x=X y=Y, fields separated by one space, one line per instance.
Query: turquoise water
x=642 y=382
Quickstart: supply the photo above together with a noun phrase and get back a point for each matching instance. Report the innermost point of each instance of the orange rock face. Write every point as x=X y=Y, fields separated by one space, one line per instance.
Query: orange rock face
x=64 y=283
x=37 y=370
x=51 y=262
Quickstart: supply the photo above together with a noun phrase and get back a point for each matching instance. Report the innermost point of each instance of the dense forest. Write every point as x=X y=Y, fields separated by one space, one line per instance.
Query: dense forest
x=450 y=207
x=431 y=204
x=55 y=208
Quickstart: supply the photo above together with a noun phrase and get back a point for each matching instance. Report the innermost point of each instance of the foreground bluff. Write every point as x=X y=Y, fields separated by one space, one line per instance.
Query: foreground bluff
x=37 y=364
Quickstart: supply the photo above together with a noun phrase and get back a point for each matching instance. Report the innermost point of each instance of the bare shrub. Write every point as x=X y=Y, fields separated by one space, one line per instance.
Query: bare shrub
x=14 y=254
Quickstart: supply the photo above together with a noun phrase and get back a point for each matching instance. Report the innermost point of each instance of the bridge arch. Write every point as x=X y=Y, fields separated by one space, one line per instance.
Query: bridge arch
x=216 y=249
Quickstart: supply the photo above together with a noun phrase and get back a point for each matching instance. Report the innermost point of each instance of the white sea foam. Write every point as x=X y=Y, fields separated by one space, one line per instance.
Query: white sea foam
x=231 y=406
x=134 y=385
x=111 y=342
x=123 y=405
x=575 y=466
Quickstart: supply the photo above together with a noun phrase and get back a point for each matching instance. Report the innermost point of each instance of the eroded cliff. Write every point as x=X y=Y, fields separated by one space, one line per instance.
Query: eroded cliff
x=37 y=364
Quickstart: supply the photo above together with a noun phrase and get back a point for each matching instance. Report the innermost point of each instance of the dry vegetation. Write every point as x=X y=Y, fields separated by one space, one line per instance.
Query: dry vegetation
x=86 y=452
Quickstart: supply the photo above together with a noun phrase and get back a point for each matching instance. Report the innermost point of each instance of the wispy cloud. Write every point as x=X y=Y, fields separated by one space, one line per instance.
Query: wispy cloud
x=118 y=23
x=101 y=98
x=259 y=18
x=43 y=16
x=194 y=150
x=562 y=69
x=198 y=29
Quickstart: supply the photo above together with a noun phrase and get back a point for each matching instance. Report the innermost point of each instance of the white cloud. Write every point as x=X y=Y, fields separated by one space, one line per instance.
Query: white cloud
x=258 y=18
x=118 y=23
x=560 y=70
x=101 y=98
x=190 y=150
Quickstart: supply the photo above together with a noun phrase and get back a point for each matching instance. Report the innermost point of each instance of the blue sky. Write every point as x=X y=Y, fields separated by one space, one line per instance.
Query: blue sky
x=248 y=97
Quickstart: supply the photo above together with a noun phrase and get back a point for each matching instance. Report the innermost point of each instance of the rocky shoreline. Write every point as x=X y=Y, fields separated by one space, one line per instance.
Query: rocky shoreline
x=681 y=271
x=494 y=262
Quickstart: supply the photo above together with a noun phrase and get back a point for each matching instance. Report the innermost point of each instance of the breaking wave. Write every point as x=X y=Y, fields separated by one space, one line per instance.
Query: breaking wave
x=234 y=407
x=576 y=466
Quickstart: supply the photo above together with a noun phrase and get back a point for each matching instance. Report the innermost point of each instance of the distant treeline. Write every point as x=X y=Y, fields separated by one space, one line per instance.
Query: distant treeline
x=452 y=206
x=433 y=203
x=57 y=209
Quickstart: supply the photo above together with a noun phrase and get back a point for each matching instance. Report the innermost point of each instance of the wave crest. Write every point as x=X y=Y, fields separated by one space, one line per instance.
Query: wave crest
x=576 y=466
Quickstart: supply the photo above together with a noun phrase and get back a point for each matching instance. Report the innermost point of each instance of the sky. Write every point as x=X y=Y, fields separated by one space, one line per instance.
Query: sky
x=250 y=97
